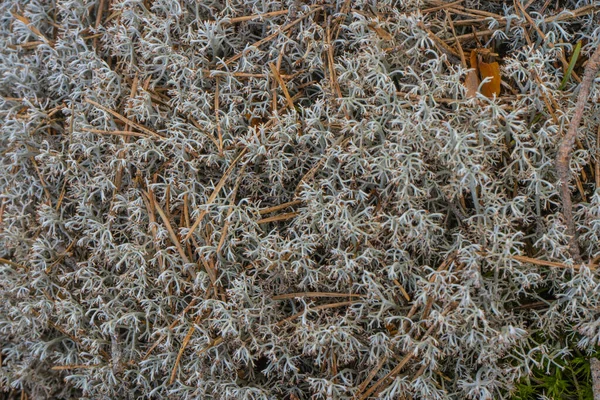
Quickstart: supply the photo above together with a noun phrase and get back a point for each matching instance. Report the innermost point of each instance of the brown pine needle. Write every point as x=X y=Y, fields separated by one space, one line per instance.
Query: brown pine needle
x=363 y=386
x=214 y=194
x=273 y=35
x=321 y=307
x=116 y=133
x=13 y=264
x=282 y=206
x=282 y=85
x=32 y=28
x=186 y=340
x=172 y=234
x=125 y=119
x=256 y=16
x=75 y=366
x=281 y=217
x=314 y=294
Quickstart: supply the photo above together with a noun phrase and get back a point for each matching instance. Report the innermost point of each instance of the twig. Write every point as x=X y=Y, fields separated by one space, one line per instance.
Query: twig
x=442 y=7
x=280 y=217
x=186 y=340
x=116 y=133
x=314 y=294
x=214 y=194
x=563 y=158
x=173 y=325
x=281 y=83
x=286 y=205
x=77 y=366
x=271 y=36
x=595 y=369
x=545 y=263
x=13 y=264
x=321 y=307
x=172 y=233
x=124 y=119
x=217 y=119
x=32 y=28
x=256 y=16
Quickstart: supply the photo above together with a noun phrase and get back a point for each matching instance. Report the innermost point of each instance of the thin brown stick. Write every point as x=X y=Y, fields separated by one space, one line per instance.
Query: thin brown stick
x=217 y=119
x=186 y=340
x=286 y=296
x=288 y=204
x=281 y=217
x=124 y=119
x=214 y=194
x=545 y=263
x=173 y=325
x=98 y=20
x=32 y=28
x=256 y=16
x=365 y=383
x=595 y=370
x=321 y=307
x=442 y=7
x=597 y=164
x=282 y=85
x=172 y=234
x=563 y=157
x=212 y=344
x=402 y=290
x=330 y=57
x=272 y=36
x=13 y=264
x=75 y=366
x=116 y=133
x=230 y=209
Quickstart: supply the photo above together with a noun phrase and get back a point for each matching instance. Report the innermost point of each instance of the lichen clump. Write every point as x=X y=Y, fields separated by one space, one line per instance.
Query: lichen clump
x=255 y=199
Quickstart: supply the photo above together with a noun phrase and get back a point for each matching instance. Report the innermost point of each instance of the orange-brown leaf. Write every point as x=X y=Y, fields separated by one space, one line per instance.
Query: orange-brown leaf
x=472 y=83
x=491 y=70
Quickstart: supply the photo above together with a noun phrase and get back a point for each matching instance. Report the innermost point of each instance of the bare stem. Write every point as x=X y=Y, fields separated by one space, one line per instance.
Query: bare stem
x=563 y=158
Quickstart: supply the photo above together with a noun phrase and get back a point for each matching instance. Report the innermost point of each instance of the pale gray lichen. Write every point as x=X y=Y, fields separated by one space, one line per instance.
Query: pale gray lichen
x=407 y=204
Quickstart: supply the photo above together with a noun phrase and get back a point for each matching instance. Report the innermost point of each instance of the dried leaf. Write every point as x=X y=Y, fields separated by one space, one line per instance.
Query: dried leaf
x=472 y=79
x=491 y=70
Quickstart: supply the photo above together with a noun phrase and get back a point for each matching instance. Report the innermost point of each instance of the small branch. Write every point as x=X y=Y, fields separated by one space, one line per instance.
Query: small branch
x=563 y=158
x=595 y=369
